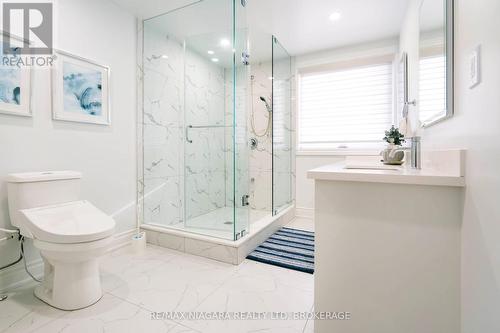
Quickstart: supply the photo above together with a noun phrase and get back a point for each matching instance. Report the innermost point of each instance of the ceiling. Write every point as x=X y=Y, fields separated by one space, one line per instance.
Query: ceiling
x=145 y=9
x=302 y=26
x=432 y=15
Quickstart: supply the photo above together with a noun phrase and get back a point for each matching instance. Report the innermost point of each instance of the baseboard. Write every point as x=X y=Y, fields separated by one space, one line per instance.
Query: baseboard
x=15 y=276
x=122 y=239
x=304 y=212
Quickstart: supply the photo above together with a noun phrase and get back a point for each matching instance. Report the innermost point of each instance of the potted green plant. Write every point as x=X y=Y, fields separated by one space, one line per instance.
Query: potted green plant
x=394 y=137
x=391 y=155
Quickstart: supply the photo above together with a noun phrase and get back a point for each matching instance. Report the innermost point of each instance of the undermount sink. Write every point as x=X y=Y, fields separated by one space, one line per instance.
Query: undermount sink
x=373 y=167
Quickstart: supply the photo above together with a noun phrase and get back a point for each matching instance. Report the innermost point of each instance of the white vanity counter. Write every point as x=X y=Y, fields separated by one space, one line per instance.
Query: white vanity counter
x=387 y=249
x=444 y=168
x=401 y=175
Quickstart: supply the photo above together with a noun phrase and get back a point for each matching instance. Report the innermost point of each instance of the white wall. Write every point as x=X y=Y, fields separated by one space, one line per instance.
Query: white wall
x=476 y=127
x=100 y=31
x=304 y=186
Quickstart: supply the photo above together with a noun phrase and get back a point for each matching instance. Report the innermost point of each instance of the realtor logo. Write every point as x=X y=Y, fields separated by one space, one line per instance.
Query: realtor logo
x=30 y=21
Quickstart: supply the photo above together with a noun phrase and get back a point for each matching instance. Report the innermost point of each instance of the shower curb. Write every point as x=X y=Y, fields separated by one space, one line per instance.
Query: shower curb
x=231 y=252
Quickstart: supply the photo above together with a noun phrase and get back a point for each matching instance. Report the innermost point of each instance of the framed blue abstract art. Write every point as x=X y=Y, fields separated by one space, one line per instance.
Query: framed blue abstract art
x=15 y=83
x=80 y=89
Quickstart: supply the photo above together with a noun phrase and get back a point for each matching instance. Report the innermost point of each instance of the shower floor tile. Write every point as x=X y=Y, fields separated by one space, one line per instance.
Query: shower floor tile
x=163 y=280
x=218 y=223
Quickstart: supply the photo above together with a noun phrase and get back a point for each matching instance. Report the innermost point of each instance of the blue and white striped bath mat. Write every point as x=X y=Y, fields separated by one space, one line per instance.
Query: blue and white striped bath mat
x=289 y=248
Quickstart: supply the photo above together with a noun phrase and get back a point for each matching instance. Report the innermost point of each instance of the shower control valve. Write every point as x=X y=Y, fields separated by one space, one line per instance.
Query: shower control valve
x=253 y=143
x=245 y=200
x=245 y=58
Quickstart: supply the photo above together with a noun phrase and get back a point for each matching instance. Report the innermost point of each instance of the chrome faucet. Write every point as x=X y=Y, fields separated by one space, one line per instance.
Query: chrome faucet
x=415 y=152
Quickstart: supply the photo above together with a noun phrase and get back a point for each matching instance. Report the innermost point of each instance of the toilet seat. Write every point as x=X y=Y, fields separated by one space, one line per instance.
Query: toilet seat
x=68 y=223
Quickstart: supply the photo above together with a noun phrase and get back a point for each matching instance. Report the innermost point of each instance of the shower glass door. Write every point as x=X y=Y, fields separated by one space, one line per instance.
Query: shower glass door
x=194 y=125
x=282 y=127
x=215 y=145
x=240 y=90
x=205 y=128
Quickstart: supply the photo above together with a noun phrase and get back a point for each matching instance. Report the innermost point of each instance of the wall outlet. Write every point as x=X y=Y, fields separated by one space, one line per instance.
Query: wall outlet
x=475 y=67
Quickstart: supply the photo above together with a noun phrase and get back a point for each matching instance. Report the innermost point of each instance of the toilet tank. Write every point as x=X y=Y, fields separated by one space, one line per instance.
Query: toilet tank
x=36 y=189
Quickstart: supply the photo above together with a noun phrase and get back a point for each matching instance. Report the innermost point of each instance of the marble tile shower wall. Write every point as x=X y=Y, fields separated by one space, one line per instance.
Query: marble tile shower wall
x=205 y=169
x=239 y=173
x=256 y=165
x=162 y=128
x=261 y=157
x=174 y=81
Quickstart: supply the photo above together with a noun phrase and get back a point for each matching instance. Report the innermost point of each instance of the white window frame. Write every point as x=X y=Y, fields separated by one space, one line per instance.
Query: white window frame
x=363 y=148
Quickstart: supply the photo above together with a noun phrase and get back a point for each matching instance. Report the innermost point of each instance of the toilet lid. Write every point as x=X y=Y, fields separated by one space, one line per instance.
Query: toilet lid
x=73 y=222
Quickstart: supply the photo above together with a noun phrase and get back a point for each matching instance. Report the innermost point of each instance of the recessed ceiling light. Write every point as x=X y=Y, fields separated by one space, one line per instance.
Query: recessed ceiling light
x=335 y=16
x=224 y=42
x=164 y=56
x=210 y=52
x=215 y=59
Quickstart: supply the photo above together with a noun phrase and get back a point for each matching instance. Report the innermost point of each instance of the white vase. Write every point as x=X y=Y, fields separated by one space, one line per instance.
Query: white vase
x=389 y=155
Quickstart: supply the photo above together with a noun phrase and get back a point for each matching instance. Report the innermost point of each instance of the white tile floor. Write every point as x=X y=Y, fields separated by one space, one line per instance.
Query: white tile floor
x=165 y=280
x=302 y=223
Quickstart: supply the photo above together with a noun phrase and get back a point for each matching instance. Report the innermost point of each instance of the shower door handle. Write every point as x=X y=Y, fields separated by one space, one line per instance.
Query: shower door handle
x=188 y=127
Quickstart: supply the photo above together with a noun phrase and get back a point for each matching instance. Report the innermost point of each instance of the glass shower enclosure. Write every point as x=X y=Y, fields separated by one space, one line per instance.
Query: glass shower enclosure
x=282 y=127
x=195 y=171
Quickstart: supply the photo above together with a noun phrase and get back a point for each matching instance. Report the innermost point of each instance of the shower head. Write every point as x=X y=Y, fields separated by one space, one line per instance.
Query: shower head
x=268 y=107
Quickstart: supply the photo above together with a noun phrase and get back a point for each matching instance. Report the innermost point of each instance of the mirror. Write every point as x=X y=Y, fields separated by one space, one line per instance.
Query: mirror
x=435 y=62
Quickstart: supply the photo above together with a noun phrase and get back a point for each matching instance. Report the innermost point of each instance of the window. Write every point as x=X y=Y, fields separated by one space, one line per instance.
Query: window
x=281 y=90
x=346 y=107
x=432 y=87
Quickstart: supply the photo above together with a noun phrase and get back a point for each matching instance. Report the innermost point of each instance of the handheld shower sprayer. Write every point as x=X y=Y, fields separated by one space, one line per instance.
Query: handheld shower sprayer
x=269 y=125
x=268 y=107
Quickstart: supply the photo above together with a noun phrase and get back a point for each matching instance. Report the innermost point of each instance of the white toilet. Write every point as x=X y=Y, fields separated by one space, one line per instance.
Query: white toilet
x=71 y=235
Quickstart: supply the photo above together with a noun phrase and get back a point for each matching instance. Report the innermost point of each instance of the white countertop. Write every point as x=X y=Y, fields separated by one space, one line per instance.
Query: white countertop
x=430 y=174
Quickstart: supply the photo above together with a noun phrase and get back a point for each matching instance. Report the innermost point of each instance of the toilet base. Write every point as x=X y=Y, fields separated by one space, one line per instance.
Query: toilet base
x=71 y=274
x=41 y=293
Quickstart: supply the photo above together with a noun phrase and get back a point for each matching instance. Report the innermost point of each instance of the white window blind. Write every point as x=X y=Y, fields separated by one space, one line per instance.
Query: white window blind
x=279 y=112
x=432 y=87
x=345 y=108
